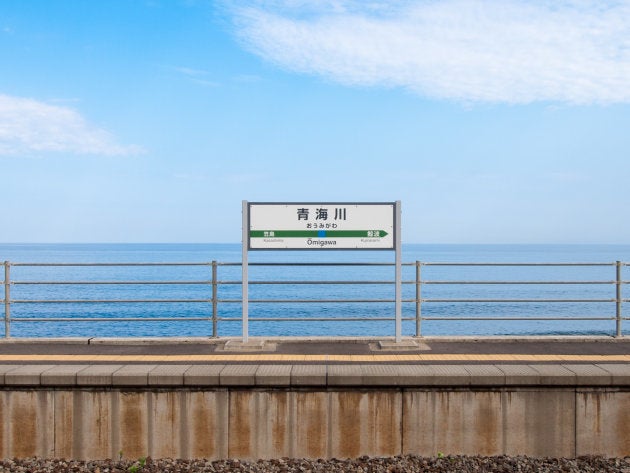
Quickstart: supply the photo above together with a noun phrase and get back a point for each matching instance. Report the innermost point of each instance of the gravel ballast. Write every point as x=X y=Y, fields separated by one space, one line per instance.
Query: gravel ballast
x=400 y=464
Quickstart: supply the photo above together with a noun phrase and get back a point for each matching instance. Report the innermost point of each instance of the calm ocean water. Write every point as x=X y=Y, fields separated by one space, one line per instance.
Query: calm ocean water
x=231 y=253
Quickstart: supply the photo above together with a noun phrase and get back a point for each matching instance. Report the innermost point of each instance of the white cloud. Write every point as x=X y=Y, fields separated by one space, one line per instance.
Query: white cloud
x=503 y=51
x=28 y=126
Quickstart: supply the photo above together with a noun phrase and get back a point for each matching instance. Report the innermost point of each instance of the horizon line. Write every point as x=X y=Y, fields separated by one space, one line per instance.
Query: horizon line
x=239 y=243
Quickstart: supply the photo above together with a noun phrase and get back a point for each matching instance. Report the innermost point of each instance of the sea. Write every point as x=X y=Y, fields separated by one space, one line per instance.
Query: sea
x=456 y=299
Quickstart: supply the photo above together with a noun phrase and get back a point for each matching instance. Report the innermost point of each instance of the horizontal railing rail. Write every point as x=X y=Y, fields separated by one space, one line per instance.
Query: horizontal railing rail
x=214 y=283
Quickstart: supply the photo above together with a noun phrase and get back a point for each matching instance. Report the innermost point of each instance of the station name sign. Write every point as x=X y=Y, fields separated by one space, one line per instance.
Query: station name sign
x=321 y=226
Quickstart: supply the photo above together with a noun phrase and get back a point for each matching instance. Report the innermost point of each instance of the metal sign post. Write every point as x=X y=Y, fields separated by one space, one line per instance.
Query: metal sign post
x=323 y=226
x=245 y=264
x=398 y=250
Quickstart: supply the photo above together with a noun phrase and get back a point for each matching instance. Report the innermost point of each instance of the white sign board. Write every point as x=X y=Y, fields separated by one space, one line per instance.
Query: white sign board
x=321 y=226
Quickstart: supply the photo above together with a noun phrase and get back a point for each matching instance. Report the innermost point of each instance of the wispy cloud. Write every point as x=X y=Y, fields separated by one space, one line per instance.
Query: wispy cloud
x=198 y=76
x=28 y=126
x=501 y=51
x=190 y=72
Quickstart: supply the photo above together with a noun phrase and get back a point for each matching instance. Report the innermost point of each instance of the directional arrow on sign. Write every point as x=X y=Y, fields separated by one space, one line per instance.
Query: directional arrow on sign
x=317 y=233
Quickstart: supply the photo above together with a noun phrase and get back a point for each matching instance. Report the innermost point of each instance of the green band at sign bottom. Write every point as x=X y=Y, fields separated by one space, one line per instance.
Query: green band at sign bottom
x=317 y=233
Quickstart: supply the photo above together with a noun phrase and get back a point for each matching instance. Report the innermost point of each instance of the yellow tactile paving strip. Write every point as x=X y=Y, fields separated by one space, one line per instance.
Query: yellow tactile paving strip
x=278 y=358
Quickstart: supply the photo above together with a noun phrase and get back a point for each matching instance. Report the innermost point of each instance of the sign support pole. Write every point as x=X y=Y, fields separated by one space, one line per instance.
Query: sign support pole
x=398 y=243
x=245 y=278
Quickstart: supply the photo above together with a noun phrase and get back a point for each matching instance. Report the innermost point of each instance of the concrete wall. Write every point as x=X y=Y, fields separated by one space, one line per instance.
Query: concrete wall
x=242 y=415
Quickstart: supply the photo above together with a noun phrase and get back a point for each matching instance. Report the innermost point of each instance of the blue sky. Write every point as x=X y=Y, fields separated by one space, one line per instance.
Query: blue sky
x=150 y=121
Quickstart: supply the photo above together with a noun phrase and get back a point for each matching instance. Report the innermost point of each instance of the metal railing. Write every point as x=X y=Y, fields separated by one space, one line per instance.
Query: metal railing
x=213 y=284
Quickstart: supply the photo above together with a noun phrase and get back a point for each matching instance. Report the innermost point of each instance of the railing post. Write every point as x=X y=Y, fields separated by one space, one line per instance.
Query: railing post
x=618 y=298
x=214 y=299
x=7 y=299
x=418 y=300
